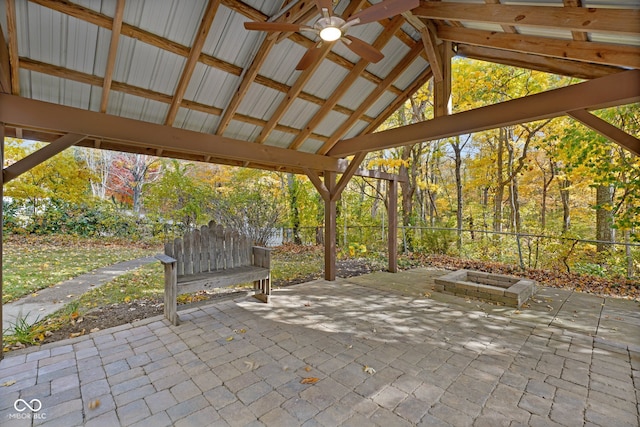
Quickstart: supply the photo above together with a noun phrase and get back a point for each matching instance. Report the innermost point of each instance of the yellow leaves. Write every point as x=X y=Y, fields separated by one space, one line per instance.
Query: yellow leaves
x=8 y=383
x=127 y=299
x=230 y=339
x=389 y=163
x=94 y=404
x=309 y=380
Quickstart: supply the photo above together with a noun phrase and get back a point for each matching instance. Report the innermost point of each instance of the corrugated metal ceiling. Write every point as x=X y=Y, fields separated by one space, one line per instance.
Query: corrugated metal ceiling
x=152 y=53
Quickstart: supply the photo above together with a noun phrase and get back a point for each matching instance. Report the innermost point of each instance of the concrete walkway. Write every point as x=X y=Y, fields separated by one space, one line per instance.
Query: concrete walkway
x=381 y=349
x=50 y=300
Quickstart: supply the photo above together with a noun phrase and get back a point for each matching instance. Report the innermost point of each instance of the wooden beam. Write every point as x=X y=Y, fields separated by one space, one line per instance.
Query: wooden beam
x=45 y=153
x=607 y=130
x=192 y=59
x=314 y=177
x=619 y=89
x=563 y=67
x=12 y=34
x=345 y=84
x=32 y=114
x=373 y=96
x=442 y=88
x=78 y=76
x=606 y=20
x=420 y=81
x=5 y=67
x=577 y=35
x=505 y=28
x=354 y=164
x=591 y=52
x=113 y=52
x=429 y=40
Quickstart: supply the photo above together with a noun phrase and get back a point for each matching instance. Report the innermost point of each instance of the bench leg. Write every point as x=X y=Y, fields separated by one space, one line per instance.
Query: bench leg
x=171 y=293
x=262 y=289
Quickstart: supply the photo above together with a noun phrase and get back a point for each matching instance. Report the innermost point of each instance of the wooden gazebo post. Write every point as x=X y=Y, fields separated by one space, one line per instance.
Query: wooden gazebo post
x=392 y=194
x=330 y=228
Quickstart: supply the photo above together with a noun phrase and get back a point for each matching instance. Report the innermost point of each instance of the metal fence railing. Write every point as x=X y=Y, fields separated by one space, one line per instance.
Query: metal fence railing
x=528 y=250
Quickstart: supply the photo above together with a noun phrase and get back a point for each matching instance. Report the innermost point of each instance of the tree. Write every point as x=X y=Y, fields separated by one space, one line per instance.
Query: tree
x=129 y=174
x=177 y=196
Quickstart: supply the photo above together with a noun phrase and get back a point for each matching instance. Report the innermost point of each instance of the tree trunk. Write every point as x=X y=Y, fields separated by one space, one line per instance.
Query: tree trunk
x=604 y=217
x=564 y=196
x=457 y=150
x=292 y=186
x=499 y=192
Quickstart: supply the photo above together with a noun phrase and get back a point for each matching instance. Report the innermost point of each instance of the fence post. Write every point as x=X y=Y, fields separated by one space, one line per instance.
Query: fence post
x=519 y=250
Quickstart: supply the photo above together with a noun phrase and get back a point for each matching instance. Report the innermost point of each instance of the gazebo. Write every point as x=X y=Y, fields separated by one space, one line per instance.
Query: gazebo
x=200 y=79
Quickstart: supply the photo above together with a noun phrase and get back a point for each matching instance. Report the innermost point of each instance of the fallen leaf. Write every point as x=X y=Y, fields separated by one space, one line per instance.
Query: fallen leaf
x=307 y=368
x=8 y=383
x=309 y=380
x=230 y=339
x=94 y=404
x=369 y=370
x=94 y=330
x=516 y=311
x=250 y=364
x=77 y=334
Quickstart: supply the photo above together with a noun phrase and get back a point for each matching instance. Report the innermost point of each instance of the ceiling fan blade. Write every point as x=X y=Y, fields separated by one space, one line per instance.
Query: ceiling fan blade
x=272 y=26
x=383 y=10
x=310 y=56
x=363 y=49
x=325 y=4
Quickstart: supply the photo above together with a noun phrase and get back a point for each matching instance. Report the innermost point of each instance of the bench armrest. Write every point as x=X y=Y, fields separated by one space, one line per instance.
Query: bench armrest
x=262 y=257
x=165 y=259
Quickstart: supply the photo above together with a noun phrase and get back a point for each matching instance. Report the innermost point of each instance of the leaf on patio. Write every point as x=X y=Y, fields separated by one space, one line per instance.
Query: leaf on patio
x=516 y=312
x=251 y=364
x=230 y=339
x=309 y=380
x=94 y=330
x=8 y=383
x=94 y=404
x=307 y=368
x=369 y=370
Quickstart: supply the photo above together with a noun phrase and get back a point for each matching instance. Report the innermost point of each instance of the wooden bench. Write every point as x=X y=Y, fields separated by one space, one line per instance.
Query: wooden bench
x=212 y=257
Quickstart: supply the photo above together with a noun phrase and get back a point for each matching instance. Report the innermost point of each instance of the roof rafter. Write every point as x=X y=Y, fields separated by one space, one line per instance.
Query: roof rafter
x=619 y=89
x=111 y=58
x=353 y=75
x=373 y=96
x=617 y=21
x=5 y=68
x=192 y=59
x=13 y=47
x=591 y=52
x=547 y=64
x=302 y=80
x=249 y=74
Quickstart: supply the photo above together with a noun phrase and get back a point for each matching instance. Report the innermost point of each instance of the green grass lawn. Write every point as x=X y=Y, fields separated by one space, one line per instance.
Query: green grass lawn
x=34 y=263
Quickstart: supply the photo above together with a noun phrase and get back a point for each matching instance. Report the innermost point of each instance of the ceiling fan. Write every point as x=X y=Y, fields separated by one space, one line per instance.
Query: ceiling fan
x=330 y=28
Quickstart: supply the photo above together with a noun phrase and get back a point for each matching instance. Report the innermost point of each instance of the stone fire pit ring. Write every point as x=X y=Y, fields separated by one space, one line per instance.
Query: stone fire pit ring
x=508 y=290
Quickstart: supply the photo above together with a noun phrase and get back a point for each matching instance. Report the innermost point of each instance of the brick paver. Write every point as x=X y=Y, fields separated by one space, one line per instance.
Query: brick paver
x=434 y=360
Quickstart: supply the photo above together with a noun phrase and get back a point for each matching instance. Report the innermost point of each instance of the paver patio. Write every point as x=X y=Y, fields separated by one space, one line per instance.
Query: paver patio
x=436 y=360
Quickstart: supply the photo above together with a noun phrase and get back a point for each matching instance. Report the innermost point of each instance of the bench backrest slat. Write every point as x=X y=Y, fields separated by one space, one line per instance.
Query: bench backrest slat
x=210 y=248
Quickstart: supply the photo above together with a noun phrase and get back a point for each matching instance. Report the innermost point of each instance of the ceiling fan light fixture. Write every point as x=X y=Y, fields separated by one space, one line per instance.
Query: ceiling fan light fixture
x=330 y=34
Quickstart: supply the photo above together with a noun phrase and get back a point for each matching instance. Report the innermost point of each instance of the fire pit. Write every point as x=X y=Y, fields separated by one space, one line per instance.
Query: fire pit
x=508 y=290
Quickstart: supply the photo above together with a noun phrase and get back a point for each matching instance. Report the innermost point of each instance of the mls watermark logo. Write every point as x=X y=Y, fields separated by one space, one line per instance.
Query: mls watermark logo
x=28 y=410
